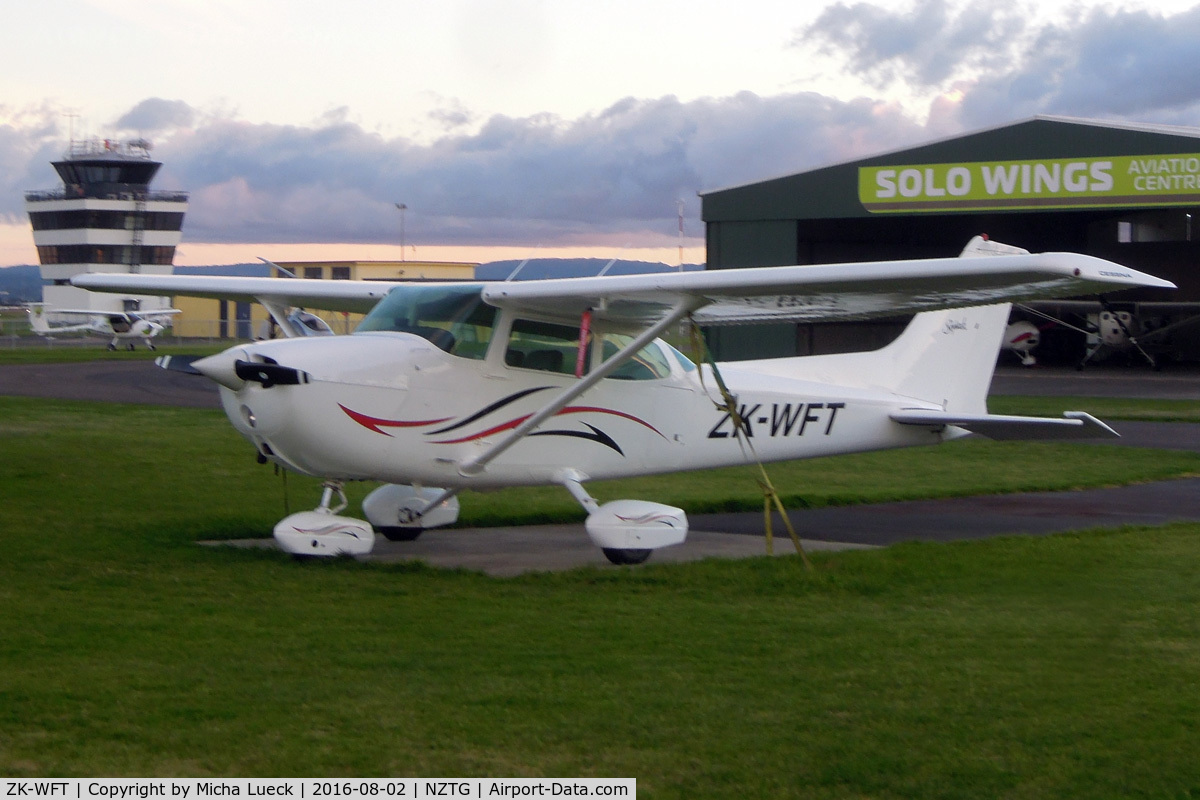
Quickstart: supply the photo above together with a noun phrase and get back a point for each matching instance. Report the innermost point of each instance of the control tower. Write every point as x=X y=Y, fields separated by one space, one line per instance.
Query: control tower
x=104 y=218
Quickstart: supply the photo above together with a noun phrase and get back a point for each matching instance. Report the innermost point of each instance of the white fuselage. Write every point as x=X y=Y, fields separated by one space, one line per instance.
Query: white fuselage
x=393 y=407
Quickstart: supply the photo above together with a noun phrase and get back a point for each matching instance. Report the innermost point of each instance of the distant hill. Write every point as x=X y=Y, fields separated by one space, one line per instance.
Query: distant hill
x=259 y=270
x=23 y=284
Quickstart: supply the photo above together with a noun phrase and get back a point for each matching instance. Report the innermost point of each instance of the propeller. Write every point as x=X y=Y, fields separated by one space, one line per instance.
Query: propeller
x=269 y=374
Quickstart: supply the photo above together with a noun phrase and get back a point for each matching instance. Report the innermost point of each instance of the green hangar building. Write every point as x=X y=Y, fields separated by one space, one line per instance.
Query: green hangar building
x=1127 y=193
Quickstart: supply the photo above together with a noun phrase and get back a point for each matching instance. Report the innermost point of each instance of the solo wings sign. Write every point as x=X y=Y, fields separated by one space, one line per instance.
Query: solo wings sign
x=1160 y=180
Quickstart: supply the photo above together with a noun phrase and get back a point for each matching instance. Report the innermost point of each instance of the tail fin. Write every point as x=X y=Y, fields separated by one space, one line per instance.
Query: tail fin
x=947 y=357
x=37 y=318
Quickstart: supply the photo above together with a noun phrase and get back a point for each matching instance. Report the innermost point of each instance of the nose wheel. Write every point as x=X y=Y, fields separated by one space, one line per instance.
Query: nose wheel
x=626 y=555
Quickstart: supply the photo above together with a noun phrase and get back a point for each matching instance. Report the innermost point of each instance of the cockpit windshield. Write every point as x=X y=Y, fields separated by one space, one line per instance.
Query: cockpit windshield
x=451 y=316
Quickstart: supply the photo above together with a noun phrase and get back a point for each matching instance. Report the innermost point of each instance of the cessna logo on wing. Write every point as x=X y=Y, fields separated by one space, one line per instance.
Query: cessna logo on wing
x=784 y=419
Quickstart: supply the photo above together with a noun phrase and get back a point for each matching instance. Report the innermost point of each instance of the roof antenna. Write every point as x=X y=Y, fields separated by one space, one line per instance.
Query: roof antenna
x=512 y=275
x=679 y=207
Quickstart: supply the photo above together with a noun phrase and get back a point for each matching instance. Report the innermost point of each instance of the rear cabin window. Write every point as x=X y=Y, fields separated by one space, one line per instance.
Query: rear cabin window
x=549 y=347
x=453 y=317
x=543 y=346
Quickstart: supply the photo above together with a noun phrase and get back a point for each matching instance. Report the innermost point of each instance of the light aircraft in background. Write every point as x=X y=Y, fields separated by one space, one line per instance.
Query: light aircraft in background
x=301 y=323
x=122 y=326
x=479 y=386
x=1143 y=329
x=1021 y=338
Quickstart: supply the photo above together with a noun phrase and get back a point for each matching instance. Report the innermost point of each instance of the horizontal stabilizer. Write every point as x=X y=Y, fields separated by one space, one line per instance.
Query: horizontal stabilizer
x=1072 y=424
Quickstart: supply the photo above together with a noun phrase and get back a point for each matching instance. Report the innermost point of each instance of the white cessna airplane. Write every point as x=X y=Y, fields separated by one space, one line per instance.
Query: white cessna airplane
x=122 y=326
x=453 y=386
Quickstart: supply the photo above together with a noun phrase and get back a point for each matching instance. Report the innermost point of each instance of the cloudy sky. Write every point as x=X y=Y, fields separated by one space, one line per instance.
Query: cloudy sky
x=530 y=127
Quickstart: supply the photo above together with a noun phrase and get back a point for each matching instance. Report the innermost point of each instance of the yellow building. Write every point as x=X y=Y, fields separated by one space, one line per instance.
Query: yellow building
x=382 y=270
x=221 y=319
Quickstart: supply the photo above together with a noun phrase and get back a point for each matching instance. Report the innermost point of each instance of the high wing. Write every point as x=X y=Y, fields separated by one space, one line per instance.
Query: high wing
x=355 y=296
x=827 y=292
x=128 y=316
x=808 y=293
x=84 y=312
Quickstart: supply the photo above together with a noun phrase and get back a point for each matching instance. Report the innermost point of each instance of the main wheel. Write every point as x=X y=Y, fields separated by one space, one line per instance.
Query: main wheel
x=626 y=555
x=396 y=534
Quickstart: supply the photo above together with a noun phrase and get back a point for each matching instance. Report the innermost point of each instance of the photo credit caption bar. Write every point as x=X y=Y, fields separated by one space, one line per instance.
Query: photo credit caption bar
x=308 y=788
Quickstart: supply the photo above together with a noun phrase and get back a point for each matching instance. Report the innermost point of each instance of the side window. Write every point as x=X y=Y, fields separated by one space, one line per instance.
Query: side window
x=542 y=346
x=685 y=362
x=647 y=364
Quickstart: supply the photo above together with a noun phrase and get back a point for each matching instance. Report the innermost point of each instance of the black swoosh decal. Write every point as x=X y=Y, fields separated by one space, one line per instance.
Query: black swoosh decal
x=596 y=435
x=501 y=403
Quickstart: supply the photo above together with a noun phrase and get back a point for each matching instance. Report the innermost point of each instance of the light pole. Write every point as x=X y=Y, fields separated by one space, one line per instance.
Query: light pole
x=402 y=209
x=679 y=208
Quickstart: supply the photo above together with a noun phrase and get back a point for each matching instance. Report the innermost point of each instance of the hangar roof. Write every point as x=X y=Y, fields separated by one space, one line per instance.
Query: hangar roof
x=953 y=171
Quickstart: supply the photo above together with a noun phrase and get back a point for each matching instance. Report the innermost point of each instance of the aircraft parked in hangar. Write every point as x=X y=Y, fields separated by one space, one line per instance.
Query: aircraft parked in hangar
x=453 y=386
x=1022 y=338
x=1141 y=329
x=122 y=326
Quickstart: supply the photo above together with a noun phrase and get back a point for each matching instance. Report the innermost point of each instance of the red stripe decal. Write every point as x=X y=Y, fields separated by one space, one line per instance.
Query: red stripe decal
x=376 y=424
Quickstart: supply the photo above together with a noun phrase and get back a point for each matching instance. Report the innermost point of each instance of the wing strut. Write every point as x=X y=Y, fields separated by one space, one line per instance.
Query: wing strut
x=476 y=465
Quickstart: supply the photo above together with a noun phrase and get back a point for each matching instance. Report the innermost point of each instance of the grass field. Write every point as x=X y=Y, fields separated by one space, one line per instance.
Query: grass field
x=1049 y=667
x=75 y=351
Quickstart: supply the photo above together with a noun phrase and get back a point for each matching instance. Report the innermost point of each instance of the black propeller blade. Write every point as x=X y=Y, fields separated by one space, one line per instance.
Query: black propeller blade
x=269 y=374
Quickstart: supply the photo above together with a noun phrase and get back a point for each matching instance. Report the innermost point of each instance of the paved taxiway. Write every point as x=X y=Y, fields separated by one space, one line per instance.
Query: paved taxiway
x=509 y=551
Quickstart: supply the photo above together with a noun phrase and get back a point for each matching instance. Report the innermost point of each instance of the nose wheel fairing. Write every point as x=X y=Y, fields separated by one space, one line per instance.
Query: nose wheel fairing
x=322 y=532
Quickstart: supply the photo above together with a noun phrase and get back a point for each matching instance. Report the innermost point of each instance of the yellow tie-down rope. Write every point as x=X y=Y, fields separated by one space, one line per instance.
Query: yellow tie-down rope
x=770 y=495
